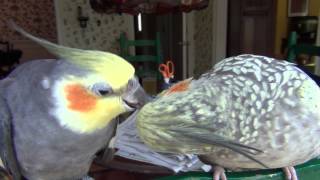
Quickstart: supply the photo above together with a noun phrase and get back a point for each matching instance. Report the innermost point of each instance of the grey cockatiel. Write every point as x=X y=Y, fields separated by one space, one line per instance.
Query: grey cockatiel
x=248 y=112
x=56 y=114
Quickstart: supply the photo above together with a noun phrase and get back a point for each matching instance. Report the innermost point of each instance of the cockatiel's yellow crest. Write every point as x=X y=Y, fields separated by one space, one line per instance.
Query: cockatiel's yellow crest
x=113 y=68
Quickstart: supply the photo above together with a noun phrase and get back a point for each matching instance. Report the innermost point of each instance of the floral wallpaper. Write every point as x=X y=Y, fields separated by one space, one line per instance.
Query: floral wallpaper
x=37 y=17
x=102 y=30
x=203 y=37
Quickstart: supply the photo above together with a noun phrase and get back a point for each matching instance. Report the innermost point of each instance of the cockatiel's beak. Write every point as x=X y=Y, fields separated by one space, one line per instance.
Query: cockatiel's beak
x=135 y=97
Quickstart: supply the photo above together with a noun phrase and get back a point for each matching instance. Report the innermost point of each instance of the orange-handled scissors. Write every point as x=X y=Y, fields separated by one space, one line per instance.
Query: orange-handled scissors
x=167 y=69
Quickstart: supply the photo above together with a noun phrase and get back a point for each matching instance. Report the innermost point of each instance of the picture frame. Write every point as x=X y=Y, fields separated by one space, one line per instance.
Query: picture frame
x=298 y=8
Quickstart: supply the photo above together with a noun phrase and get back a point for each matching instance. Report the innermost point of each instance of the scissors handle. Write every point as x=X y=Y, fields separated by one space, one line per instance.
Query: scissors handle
x=170 y=68
x=167 y=69
x=164 y=70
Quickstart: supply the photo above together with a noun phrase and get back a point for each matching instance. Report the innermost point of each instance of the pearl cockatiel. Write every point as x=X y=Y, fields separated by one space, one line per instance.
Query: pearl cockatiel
x=248 y=112
x=56 y=114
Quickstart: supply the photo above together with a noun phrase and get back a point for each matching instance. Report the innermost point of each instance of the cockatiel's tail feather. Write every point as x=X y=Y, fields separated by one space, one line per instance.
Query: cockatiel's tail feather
x=105 y=63
x=216 y=140
x=204 y=139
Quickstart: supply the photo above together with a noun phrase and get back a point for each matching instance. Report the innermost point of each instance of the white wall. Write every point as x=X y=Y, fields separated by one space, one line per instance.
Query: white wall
x=207 y=37
x=220 y=19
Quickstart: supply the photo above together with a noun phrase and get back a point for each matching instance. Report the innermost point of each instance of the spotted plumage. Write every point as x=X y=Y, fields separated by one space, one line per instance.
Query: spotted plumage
x=243 y=105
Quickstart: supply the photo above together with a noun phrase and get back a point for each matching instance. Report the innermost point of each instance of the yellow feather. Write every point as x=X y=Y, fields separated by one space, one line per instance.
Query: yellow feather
x=113 y=68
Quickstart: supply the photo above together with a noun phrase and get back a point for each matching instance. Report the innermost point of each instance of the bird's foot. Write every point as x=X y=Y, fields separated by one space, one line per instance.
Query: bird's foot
x=290 y=173
x=219 y=173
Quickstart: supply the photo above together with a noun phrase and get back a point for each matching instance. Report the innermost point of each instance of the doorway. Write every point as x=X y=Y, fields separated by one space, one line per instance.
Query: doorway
x=251 y=26
x=171 y=32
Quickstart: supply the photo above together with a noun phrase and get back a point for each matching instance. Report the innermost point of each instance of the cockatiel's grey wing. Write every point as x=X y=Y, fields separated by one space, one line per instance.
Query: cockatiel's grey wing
x=204 y=135
x=108 y=152
x=7 y=152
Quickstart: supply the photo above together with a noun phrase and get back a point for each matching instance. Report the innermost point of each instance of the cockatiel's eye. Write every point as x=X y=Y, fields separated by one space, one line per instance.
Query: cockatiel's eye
x=101 y=89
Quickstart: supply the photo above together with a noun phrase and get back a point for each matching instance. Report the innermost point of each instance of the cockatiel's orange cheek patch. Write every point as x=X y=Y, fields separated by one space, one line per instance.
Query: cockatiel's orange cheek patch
x=79 y=98
x=179 y=87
